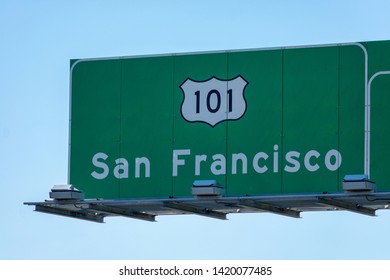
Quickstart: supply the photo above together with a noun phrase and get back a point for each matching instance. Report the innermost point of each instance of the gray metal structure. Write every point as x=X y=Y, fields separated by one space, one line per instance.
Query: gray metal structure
x=215 y=206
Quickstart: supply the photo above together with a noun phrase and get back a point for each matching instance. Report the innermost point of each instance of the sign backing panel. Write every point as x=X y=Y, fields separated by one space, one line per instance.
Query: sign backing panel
x=301 y=131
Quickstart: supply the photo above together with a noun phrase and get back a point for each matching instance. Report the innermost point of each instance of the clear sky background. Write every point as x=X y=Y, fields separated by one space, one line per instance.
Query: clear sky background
x=38 y=39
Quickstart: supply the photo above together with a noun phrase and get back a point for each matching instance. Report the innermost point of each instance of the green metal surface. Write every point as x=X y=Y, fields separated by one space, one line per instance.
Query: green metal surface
x=351 y=111
x=380 y=136
x=95 y=123
x=310 y=114
x=199 y=138
x=263 y=70
x=146 y=125
x=297 y=126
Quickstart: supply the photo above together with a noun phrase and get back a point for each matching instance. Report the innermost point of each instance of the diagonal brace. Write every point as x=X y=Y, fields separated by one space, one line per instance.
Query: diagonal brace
x=347 y=206
x=123 y=212
x=69 y=213
x=269 y=208
x=195 y=210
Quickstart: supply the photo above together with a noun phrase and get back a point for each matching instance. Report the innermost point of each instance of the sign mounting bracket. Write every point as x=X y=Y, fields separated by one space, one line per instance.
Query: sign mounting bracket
x=69 y=213
x=195 y=210
x=269 y=208
x=123 y=212
x=347 y=206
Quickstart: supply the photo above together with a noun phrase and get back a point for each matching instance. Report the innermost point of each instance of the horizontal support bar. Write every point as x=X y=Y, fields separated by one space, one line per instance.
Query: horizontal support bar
x=69 y=213
x=195 y=210
x=123 y=212
x=347 y=206
x=269 y=208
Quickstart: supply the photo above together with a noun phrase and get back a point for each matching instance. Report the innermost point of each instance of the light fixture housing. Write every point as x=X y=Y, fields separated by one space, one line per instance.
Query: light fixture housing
x=66 y=192
x=207 y=188
x=358 y=182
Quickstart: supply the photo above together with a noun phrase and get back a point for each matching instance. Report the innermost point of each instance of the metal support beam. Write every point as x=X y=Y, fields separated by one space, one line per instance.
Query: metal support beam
x=269 y=208
x=195 y=210
x=123 y=212
x=347 y=206
x=69 y=213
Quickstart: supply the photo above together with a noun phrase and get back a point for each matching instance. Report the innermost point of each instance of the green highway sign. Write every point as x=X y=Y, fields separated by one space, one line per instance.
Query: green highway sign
x=259 y=122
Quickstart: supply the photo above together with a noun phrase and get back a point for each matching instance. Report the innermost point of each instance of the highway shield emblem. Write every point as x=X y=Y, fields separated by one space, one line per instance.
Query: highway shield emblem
x=214 y=100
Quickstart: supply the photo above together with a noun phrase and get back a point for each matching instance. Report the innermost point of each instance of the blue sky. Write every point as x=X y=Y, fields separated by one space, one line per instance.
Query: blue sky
x=38 y=39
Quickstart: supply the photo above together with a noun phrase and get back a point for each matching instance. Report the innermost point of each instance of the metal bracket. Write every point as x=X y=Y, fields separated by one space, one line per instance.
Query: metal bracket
x=69 y=213
x=195 y=210
x=269 y=208
x=347 y=206
x=123 y=212
x=215 y=207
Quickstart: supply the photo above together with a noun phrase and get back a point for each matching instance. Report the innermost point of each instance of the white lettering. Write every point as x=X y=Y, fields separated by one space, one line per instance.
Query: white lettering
x=121 y=170
x=276 y=159
x=218 y=167
x=146 y=163
x=242 y=157
x=177 y=161
x=198 y=160
x=256 y=167
x=99 y=164
x=292 y=158
x=308 y=156
x=236 y=163
x=337 y=162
